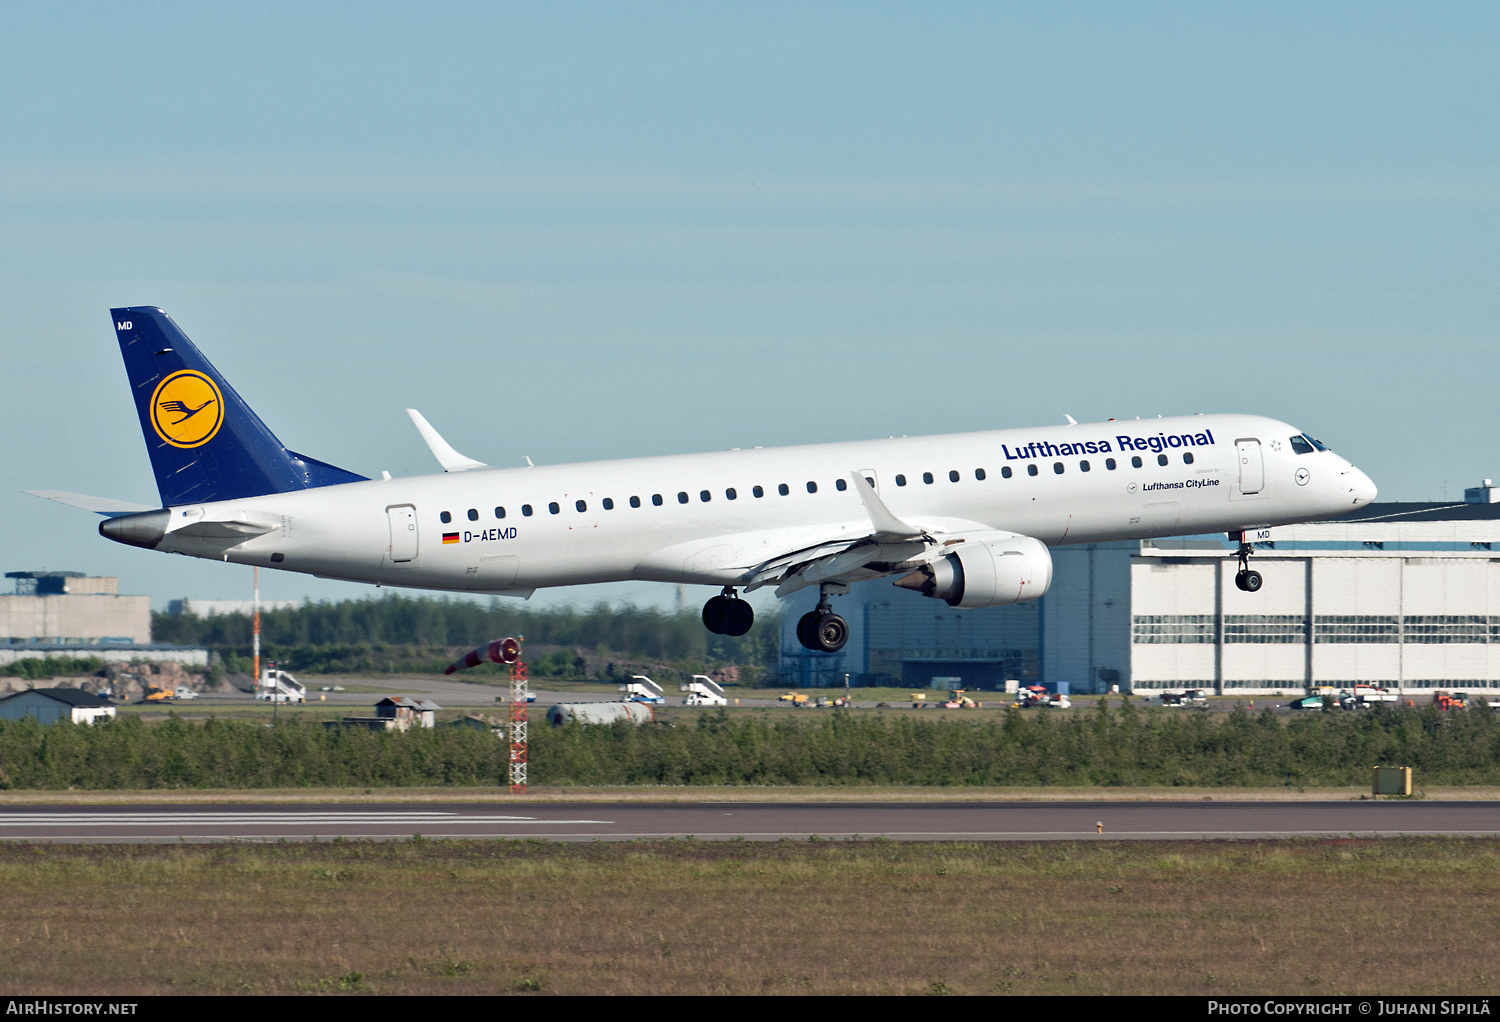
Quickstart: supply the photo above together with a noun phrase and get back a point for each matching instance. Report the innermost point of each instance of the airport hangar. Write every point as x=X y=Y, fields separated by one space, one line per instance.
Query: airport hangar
x=1402 y=595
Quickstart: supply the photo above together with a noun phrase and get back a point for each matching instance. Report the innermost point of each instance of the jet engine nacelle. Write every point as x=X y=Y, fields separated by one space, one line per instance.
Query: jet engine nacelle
x=988 y=569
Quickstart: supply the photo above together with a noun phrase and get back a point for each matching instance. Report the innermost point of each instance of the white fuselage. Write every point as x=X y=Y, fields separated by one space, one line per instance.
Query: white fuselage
x=628 y=519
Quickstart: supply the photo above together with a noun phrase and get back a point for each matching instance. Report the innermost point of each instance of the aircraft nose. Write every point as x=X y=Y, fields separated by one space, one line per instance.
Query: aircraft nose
x=1362 y=489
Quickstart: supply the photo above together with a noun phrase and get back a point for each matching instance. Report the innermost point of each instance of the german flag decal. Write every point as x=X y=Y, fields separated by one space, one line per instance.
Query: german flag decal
x=450 y=537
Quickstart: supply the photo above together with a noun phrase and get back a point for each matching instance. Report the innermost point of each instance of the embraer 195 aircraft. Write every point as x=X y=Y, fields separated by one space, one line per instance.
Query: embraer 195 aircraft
x=966 y=518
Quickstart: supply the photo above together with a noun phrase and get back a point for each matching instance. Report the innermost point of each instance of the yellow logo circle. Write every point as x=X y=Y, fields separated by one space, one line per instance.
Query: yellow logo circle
x=187 y=409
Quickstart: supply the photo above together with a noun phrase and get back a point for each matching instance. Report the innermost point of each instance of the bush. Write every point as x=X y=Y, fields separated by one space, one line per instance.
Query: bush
x=1101 y=747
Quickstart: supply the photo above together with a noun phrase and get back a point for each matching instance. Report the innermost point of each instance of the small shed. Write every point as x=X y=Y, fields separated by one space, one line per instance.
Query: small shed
x=53 y=704
x=408 y=712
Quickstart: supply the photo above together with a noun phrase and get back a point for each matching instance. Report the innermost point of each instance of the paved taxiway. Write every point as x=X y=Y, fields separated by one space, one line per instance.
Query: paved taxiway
x=931 y=821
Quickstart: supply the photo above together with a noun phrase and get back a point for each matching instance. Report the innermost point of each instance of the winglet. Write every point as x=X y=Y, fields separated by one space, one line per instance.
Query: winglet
x=886 y=523
x=447 y=457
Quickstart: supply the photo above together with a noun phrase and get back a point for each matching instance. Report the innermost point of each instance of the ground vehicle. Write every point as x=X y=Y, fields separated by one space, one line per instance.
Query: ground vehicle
x=158 y=695
x=958 y=701
x=703 y=691
x=641 y=689
x=277 y=686
x=1033 y=695
x=1306 y=703
x=797 y=699
x=1450 y=700
x=184 y=693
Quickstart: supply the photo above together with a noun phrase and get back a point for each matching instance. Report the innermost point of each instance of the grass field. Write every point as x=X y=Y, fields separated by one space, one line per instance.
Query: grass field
x=1324 y=917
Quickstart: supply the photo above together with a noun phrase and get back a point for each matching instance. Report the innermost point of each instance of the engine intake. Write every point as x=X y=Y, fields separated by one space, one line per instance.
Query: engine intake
x=986 y=570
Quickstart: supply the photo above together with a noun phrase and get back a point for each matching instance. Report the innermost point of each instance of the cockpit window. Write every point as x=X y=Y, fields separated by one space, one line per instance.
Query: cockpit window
x=1314 y=441
x=1301 y=446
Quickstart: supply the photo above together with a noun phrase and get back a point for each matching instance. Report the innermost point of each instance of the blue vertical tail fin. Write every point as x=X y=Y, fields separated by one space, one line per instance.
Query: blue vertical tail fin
x=205 y=442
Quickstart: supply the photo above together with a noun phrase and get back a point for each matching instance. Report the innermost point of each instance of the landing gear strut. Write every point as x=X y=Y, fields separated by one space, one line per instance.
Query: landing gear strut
x=821 y=629
x=1245 y=579
x=727 y=614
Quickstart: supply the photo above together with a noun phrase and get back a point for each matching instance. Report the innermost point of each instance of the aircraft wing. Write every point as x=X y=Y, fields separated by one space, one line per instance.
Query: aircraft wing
x=882 y=545
x=106 y=506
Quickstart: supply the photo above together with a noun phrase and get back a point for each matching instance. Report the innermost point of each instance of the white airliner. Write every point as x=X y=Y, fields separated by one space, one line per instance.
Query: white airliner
x=966 y=518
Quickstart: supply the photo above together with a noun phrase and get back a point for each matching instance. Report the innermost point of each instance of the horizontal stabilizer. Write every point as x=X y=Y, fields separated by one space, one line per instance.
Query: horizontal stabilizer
x=447 y=457
x=105 y=506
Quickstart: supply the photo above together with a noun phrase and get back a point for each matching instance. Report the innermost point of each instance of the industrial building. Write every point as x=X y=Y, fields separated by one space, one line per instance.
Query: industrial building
x=1402 y=595
x=53 y=704
x=70 y=614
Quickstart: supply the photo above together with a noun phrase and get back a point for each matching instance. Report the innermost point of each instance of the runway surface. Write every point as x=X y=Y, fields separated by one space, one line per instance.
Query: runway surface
x=931 y=821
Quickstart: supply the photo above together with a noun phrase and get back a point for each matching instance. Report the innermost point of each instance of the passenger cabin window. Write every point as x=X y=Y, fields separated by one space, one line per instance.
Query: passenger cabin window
x=609 y=503
x=705 y=496
x=979 y=474
x=1031 y=470
x=473 y=514
x=656 y=499
x=682 y=497
x=552 y=507
x=953 y=476
x=729 y=494
x=1161 y=459
x=1301 y=446
x=635 y=502
x=1109 y=463
x=1057 y=467
x=900 y=480
x=1004 y=471
x=927 y=478
x=758 y=491
x=499 y=512
x=1135 y=461
x=526 y=510
x=445 y=517
x=1083 y=466
x=812 y=487
x=581 y=506
x=783 y=489
x=1187 y=457
x=840 y=485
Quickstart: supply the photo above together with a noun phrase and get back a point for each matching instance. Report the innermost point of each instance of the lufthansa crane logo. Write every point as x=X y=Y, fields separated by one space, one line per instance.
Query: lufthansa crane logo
x=187 y=409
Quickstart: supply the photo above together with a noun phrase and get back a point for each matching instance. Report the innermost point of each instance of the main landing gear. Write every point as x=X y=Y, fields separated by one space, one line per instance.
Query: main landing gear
x=727 y=614
x=821 y=629
x=1245 y=579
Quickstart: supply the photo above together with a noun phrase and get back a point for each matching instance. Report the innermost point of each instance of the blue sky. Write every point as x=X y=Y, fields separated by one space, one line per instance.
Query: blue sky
x=607 y=230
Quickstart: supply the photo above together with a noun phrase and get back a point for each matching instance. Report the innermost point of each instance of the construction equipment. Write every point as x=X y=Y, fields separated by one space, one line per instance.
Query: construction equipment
x=1031 y=695
x=1450 y=700
x=797 y=699
x=957 y=700
x=158 y=695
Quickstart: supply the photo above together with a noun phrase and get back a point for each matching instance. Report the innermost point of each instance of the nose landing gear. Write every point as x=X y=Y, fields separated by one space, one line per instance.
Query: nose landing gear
x=822 y=630
x=727 y=614
x=1245 y=579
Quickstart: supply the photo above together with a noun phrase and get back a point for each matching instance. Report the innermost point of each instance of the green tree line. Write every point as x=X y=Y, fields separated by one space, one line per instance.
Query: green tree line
x=1101 y=747
x=404 y=633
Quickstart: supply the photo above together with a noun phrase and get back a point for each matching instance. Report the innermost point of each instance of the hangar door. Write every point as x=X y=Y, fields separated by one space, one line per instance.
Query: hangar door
x=403 y=520
x=1252 y=466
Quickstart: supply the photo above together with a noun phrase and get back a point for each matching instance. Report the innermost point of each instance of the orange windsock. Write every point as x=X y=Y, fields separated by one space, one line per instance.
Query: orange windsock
x=501 y=651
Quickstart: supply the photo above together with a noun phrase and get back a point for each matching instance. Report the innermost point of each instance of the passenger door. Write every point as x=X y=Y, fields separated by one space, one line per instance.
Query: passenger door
x=1251 y=465
x=403 y=523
